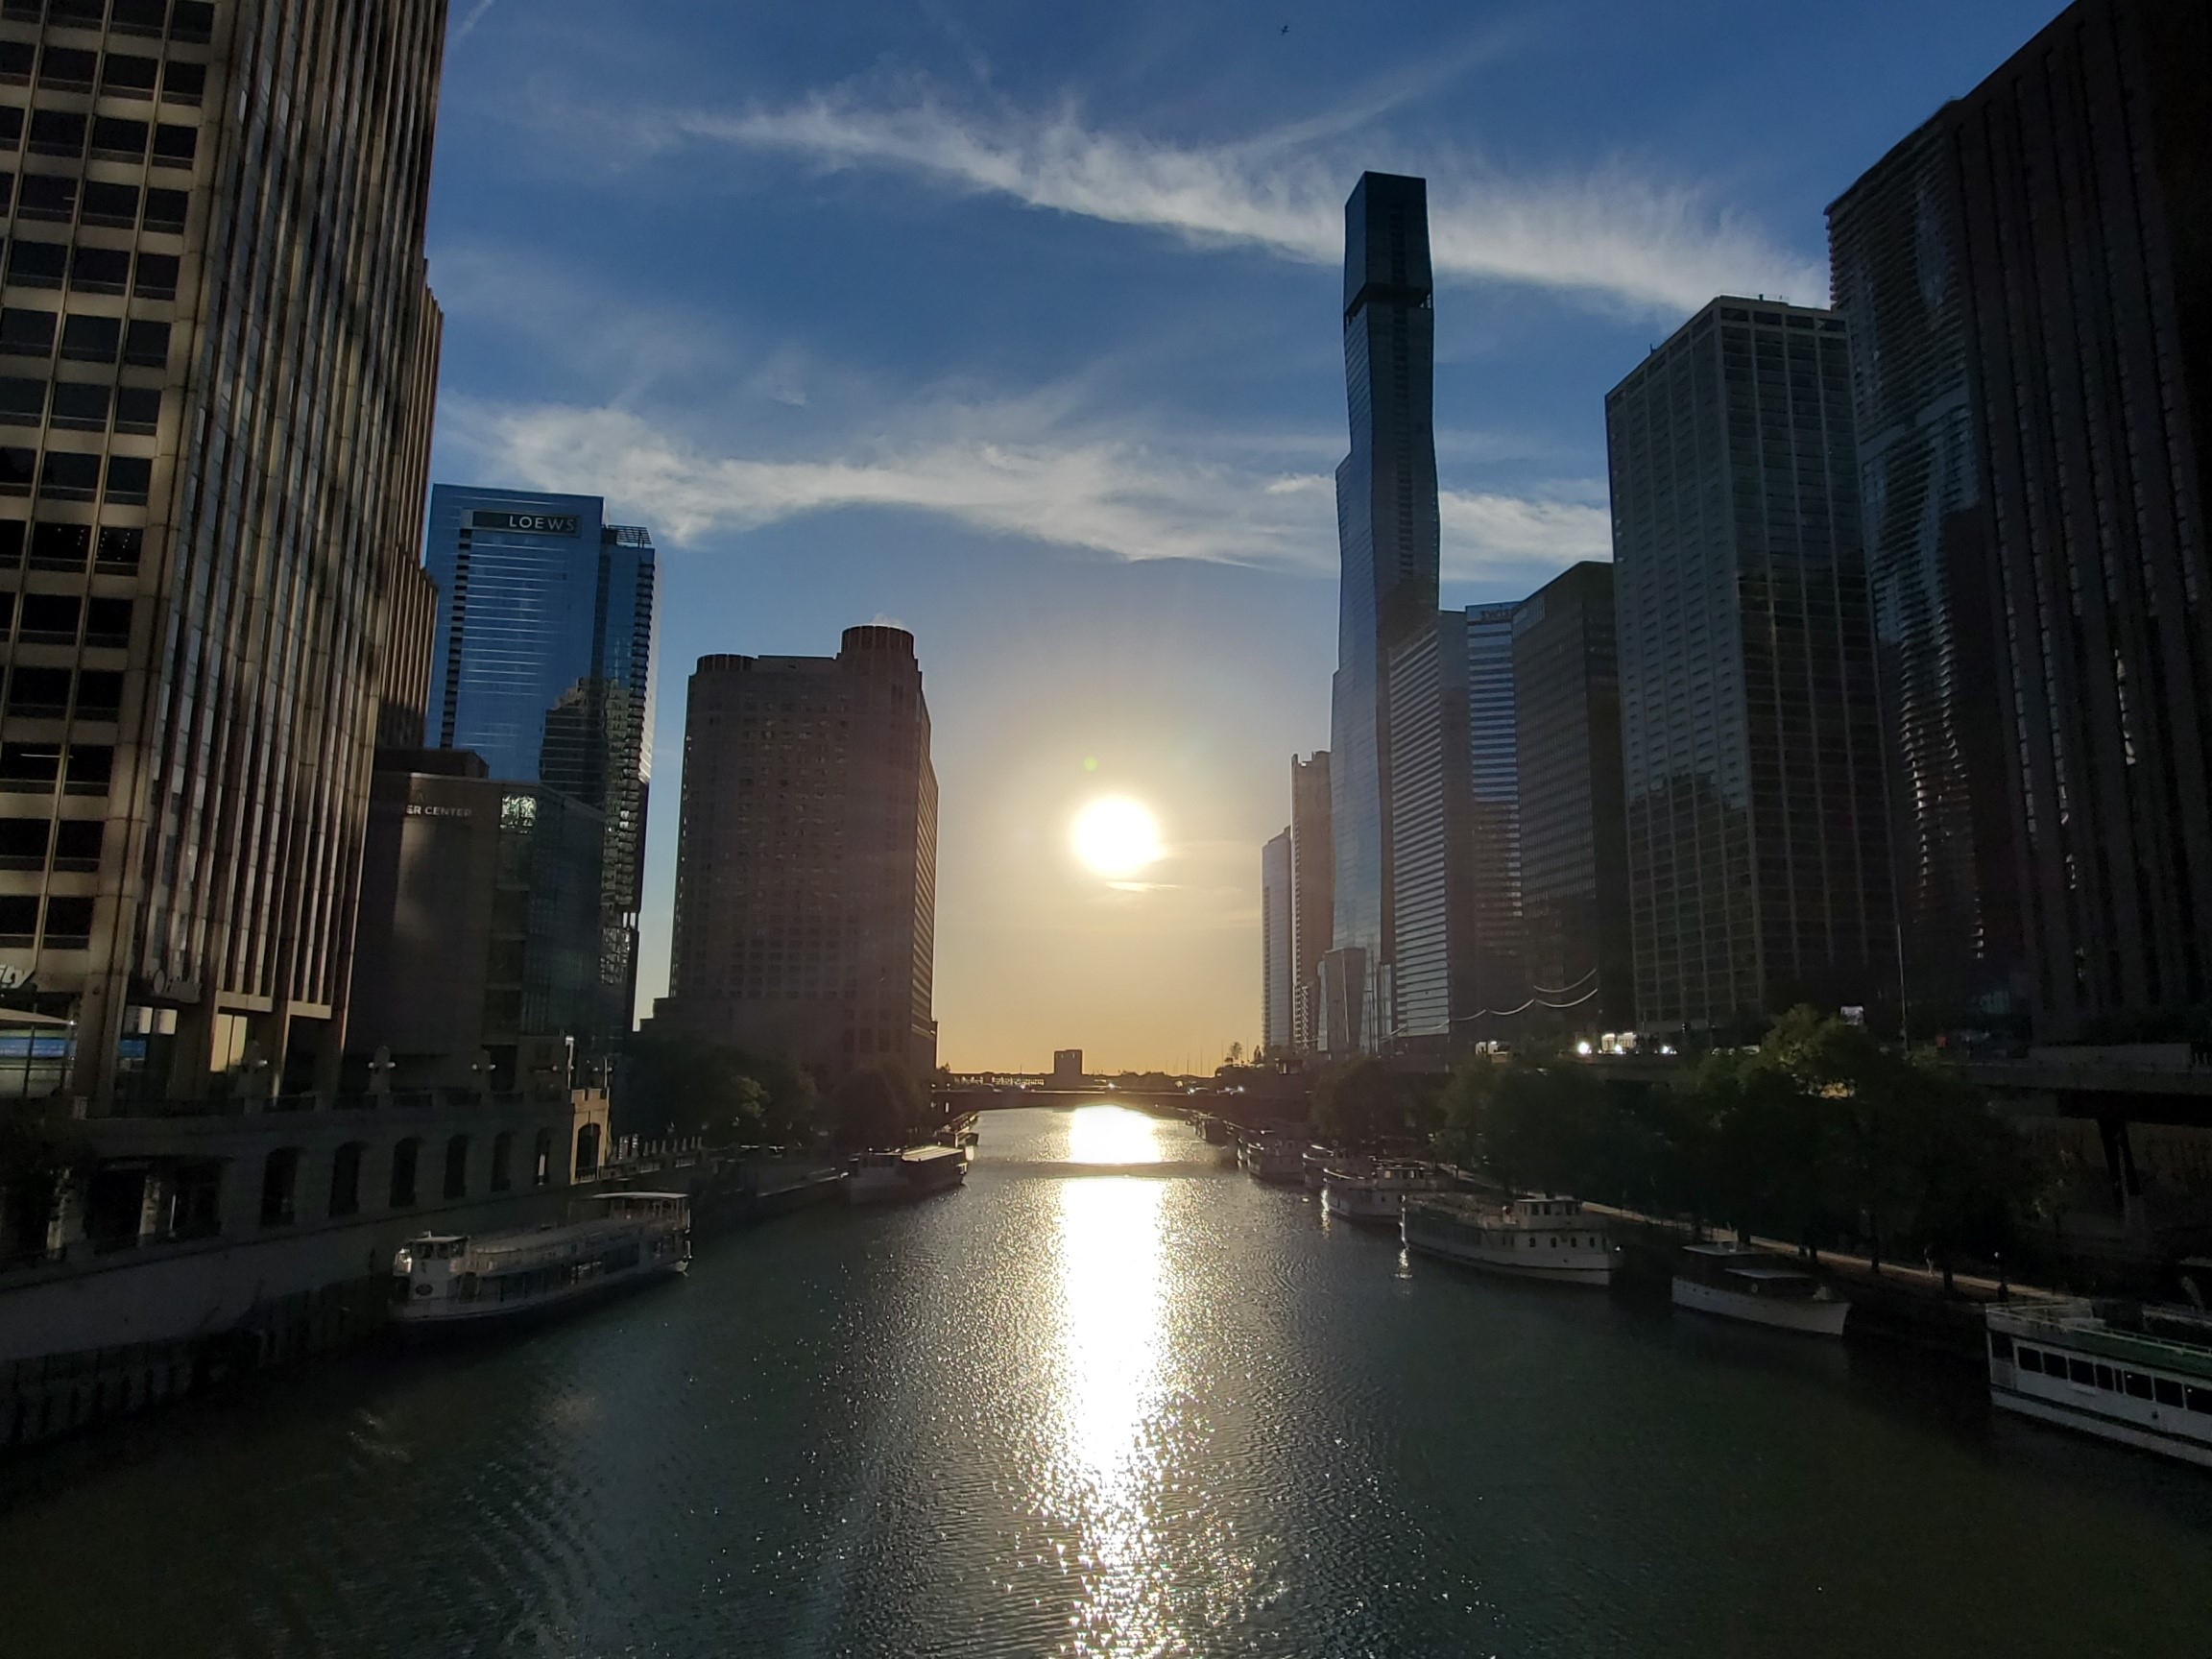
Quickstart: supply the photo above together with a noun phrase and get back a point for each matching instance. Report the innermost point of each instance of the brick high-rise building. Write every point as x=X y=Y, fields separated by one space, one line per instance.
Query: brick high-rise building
x=806 y=858
x=217 y=357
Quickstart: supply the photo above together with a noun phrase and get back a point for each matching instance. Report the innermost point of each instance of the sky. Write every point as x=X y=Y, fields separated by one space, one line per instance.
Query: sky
x=1018 y=326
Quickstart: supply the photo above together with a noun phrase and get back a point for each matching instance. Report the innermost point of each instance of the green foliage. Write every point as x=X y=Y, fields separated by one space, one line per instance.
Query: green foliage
x=692 y=1086
x=1360 y=1104
x=1820 y=1133
x=881 y=1106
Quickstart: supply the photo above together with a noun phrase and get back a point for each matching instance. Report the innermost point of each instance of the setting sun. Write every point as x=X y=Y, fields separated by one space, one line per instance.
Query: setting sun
x=1116 y=838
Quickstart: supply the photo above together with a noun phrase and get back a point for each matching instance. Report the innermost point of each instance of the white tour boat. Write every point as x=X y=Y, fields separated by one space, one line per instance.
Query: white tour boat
x=1535 y=1238
x=2138 y=1375
x=1317 y=1159
x=445 y=1279
x=1376 y=1192
x=892 y=1177
x=1278 y=1158
x=1743 y=1282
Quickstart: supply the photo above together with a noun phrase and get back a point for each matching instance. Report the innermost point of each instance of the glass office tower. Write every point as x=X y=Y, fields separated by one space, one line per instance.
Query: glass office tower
x=1758 y=844
x=542 y=664
x=1490 y=960
x=1387 y=533
x=2028 y=285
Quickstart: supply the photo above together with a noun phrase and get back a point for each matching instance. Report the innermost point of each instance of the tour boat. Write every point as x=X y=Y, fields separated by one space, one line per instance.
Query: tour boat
x=1743 y=1282
x=1376 y=1193
x=889 y=1177
x=1535 y=1238
x=448 y=1278
x=2138 y=1375
x=1274 y=1157
x=1317 y=1161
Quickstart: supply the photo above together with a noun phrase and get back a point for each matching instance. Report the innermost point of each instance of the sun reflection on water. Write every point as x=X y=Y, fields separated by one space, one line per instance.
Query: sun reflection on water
x=1111 y=1398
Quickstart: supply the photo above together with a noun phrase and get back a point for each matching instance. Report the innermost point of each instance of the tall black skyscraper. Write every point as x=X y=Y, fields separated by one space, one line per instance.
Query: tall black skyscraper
x=1573 y=848
x=1387 y=532
x=1758 y=847
x=2029 y=282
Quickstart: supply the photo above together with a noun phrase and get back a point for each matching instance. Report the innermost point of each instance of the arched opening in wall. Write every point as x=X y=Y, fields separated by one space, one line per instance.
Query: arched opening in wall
x=280 y=1176
x=541 y=1166
x=587 y=1151
x=457 y=1166
x=502 y=1160
x=346 y=1179
x=404 y=1158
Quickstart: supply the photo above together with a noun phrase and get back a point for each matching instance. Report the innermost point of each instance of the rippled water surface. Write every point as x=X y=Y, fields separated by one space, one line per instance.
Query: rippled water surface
x=1110 y=1399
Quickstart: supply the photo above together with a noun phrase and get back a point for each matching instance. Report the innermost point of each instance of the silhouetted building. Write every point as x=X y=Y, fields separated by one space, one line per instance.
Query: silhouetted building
x=1067 y=1068
x=1757 y=848
x=1430 y=838
x=806 y=858
x=544 y=665
x=1573 y=825
x=1276 y=956
x=217 y=357
x=1387 y=532
x=1495 y=976
x=1312 y=894
x=2030 y=289
x=476 y=963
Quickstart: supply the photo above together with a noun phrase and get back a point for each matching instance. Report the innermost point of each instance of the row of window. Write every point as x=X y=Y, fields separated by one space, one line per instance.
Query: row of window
x=51 y=694
x=53 y=197
x=92 y=270
x=74 y=843
x=281 y=1174
x=35 y=768
x=25 y=332
x=55 y=619
x=116 y=75
x=2112 y=1379
x=188 y=20
x=81 y=406
x=70 y=134
x=67 y=476
x=52 y=546
x=68 y=922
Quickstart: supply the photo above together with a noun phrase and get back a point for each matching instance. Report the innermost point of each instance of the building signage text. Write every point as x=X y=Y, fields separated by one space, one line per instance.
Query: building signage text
x=528 y=524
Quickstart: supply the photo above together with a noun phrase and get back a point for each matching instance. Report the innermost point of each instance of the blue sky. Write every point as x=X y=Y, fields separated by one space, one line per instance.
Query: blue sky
x=1017 y=326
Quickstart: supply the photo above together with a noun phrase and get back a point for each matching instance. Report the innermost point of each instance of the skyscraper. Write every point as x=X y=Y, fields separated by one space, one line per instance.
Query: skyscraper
x=1572 y=828
x=1758 y=849
x=806 y=858
x=1387 y=528
x=1431 y=841
x=542 y=664
x=1496 y=977
x=1276 y=955
x=2029 y=290
x=1312 y=894
x=217 y=357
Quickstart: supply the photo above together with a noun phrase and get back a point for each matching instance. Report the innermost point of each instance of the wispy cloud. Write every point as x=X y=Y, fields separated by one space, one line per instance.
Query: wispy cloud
x=1114 y=495
x=475 y=16
x=1608 y=235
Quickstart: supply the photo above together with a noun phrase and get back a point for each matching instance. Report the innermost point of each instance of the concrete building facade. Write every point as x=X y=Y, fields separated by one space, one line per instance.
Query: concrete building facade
x=1312 y=894
x=806 y=858
x=1278 y=957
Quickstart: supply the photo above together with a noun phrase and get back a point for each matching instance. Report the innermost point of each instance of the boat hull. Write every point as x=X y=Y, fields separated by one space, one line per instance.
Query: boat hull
x=1594 y=1275
x=883 y=1183
x=2063 y=1416
x=1813 y=1318
x=432 y=1316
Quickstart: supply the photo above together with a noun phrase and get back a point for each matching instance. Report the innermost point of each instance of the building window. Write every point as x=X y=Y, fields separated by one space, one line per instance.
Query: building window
x=23 y=843
x=68 y=68
x=542 y=1161
x=125 y=75
x=184 y=82
x=39 y=693
x=147 y=344
x=346 y=1179
x=92 y=769
x=279 y=1174
x=77 y=844
x=192 y=20
x=139 y=17
x=99 y=694
x=18 y=919
x=174 y=146
x=404 y=1156
x=44 y=196
x=119 y=138
x=23 y=402
x=38 y=264
x=100 y=269
x=85 y=339
x=30 y=767
x=120 y=547
x=502 y=1157
x=80 y=404
x=138 y=409
x=165 y=210
x=129 y=479
x=57 y=132
x=49 y=618
x=157 y=277
x=69 y=476
x=59 y=546
x=15 y=60
x=29 y=333
x=114 y=204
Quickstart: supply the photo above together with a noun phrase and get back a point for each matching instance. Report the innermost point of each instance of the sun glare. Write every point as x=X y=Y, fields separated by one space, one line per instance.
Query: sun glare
x=1116 y=837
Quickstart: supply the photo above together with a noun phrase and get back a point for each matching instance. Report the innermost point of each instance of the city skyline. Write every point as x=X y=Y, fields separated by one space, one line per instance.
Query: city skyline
x=809 y=460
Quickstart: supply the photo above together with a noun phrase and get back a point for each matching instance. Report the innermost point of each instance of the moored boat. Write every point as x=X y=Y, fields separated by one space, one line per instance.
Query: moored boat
x=2139 y=1374
x=917 y=1172
x=1377 y=1192
x=1317 y=1161
x=1543 y=1238
x=1760 y=1287
x=1275 y=1158
x=453 y=1278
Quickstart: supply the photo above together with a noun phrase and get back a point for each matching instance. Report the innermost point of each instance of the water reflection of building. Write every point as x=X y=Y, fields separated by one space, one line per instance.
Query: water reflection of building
x=806 y=858
x=1758 y=846
x=543 y=665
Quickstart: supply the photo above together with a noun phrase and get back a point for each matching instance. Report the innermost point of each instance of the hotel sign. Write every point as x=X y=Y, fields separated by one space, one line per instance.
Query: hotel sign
x=528 y=524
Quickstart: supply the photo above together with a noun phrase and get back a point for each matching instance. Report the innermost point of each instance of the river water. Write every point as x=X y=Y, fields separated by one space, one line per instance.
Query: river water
x=1110 y=1399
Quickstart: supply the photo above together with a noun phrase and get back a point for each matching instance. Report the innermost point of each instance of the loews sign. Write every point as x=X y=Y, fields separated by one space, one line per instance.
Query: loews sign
x=528 y=524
